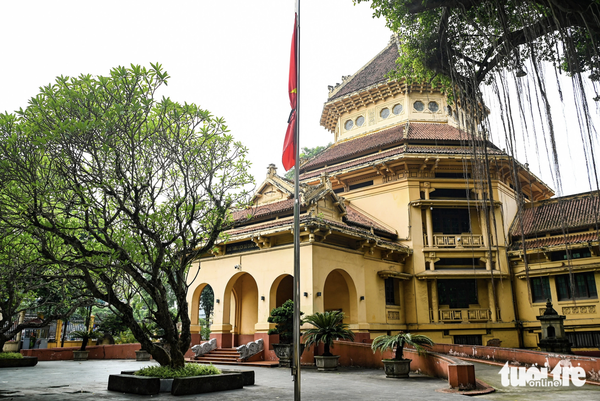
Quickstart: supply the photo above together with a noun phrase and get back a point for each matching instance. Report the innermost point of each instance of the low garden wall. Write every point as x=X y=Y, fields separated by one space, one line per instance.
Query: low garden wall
x=116 y=351
x=460 y=374
x=522 y=357
x=108 y=351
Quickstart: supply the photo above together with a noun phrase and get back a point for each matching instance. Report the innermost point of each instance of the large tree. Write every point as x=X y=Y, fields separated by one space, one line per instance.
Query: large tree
x=460 y=42
x=123 y=190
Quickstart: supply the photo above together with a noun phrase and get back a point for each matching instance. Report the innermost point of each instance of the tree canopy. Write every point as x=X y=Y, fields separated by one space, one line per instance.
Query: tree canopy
x=123 y=190
x=463 y=41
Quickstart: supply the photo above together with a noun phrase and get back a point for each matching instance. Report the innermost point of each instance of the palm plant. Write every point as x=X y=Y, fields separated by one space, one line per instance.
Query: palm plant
x=398 y=341
x=328 y=326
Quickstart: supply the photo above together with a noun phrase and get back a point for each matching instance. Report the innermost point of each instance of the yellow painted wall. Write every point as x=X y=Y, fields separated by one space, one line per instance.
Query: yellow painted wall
x=379 y=201
x=247 y=303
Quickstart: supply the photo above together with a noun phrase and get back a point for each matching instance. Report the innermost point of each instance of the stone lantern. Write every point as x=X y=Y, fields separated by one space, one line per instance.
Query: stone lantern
x=553 y=331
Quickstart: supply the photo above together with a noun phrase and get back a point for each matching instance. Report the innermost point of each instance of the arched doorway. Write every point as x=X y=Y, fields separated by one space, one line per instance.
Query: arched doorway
x=205 y=311
x=282 y=289
x=241 y=300
x=195 y=306
x=339 y=293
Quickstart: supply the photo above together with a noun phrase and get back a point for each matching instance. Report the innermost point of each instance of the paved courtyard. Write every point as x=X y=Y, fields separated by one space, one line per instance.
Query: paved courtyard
x=70 y=380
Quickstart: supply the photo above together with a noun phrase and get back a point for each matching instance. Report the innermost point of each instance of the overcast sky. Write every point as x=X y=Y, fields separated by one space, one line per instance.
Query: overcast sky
x=231 y=57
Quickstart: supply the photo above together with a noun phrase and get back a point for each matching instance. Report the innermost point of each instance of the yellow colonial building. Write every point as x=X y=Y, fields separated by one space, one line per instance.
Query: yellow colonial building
x=400 y=228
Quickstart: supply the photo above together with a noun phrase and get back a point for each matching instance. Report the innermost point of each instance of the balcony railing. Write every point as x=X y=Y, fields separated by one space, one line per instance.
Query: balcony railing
x=464 y=315
x=457 y=241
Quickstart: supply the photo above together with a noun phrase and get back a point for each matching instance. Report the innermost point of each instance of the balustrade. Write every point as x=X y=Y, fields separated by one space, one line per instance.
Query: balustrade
x=457 y=241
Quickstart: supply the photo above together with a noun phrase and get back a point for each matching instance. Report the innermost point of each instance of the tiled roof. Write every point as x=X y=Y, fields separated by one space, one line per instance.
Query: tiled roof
x=353 y=216
x=284 y=223
x=446 y=150
x=355 y=162
x=263 y=210
x=363 y=144
x=392 y=136
x=436 y=132
x=374 y=72
x=556 y=241
x=554 y=215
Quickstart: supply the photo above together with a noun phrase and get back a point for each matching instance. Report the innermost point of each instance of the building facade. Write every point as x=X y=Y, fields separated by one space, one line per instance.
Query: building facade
x=401 y=227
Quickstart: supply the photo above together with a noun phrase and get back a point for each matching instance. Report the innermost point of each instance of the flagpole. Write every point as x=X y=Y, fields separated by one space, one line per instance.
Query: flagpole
x=296 y=361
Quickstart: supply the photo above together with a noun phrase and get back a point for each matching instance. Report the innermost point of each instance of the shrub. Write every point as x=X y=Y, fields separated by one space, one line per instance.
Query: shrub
x=327 y=327
x=283 y=317
x=10 y=355
x=125 y=337
x=189 y=370
x=398 y=341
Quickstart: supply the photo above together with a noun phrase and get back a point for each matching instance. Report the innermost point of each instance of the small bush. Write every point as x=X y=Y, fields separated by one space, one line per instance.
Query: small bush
x=189 y=370
x=10 y=355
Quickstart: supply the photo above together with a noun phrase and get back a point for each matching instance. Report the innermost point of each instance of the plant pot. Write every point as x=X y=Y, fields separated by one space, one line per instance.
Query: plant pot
x=285 y=353
x=11 y=346
x=142 y=355
x=80 y=355
x=327 y=362
x=24 y=362
x=396 y=369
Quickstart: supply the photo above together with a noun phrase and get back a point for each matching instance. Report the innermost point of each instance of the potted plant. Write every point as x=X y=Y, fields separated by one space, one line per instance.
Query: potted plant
x=283 y=317
x=328 y=326
x=399 y=367
x=82 y=354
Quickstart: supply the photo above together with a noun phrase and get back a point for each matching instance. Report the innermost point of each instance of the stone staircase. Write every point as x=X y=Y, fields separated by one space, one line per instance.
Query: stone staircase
x=222 y=356
x=229 y=356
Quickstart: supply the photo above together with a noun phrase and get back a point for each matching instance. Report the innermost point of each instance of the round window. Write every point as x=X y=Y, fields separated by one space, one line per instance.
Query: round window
x=397 y=109
x=433 y=106
x=348 y=125
x=385 y=113
x=419 y=106
x=360 y=121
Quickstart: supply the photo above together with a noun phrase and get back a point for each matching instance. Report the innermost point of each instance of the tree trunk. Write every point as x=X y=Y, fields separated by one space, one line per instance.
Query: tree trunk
x=399 y=352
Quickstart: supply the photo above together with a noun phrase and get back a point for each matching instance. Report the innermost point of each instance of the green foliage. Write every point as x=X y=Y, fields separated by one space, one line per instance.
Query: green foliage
x=459 y=44
x=283 y=317
x=125 y=337
x=205 y=329
x=92 y=335
x=110 y=323
x=207 y=302
x=189 y=370
x=27 y=281
x=328 y=326
x=305 y=155
x=121 y=190
x=10 y=355
x=398 y=341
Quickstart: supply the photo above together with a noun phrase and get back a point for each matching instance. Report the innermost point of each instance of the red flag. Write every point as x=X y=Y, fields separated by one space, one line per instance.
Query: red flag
x=289 y=144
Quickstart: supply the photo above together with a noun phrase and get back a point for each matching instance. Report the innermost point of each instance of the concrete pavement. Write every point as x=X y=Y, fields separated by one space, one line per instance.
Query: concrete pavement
x=70 y=380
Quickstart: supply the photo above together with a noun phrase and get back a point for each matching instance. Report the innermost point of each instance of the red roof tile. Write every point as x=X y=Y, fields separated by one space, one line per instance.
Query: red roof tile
x=361 y=145
x=437 y=132
x=355 y=217
x=556 y=241
x=355 y=162
x=393 y=136
x=263 y=210
x=305 y=218
x=374 y=72
x=556 y=214
x=458 y=150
